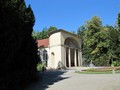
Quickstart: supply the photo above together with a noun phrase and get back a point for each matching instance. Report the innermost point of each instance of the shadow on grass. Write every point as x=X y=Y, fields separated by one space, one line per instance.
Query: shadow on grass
x=48 y=78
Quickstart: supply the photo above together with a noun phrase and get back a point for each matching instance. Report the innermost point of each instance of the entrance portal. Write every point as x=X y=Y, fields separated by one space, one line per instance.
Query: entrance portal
x=71 y=52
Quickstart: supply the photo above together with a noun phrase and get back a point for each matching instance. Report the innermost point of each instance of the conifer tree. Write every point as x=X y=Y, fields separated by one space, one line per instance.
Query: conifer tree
x=18 y=50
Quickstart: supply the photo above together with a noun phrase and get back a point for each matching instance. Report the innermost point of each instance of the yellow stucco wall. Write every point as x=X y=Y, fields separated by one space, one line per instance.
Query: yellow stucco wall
x=56 y=46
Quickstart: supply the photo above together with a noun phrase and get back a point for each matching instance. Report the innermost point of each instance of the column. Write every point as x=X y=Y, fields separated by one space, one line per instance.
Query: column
x=81 y=58
x=75 y=58
x=65 y=56
x=79 y=61
x=69 y=57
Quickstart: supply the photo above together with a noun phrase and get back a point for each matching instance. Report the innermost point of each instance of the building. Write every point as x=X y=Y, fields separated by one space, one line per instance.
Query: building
x=61 y=47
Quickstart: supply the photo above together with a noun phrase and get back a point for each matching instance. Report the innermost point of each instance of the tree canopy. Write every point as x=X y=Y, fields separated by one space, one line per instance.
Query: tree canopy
x=44 y=33
x=100 y=43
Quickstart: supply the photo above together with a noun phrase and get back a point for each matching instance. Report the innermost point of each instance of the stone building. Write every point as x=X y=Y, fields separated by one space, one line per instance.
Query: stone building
x=61 y=47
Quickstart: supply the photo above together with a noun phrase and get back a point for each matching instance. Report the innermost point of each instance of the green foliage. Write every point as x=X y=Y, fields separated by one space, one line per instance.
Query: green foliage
x=114 y=44
x=40 y=66
x=44 y=34
x=81 y=30
x=92 y=42
x=108 y=72
x=100 y=70
x=99 y=43
x=51 y=28
x=36 y=35
x=18 y=50
x=118 y=21
x=116 y=63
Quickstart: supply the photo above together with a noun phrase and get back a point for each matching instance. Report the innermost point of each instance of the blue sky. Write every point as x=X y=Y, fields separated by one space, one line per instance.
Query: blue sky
x=70 y=14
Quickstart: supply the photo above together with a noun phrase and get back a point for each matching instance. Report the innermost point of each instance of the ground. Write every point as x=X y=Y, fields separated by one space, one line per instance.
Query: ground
x=69 y=80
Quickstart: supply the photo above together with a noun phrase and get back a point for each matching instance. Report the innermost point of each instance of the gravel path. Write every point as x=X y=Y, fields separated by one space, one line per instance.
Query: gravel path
x=69 y=80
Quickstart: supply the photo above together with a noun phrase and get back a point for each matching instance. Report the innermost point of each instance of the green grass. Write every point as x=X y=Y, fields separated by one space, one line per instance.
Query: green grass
x=99 y=71
x=94 y=72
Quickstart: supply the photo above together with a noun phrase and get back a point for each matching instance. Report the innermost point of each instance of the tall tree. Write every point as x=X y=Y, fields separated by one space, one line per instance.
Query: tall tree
x=90 y=38
x=81 y=30
x=118 y=20
x=115 y=42
x=95 y=42
x=18 y=50
x=114 y=49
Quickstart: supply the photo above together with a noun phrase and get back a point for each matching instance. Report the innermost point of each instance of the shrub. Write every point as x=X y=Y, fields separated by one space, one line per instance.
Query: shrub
x=40 y=66
x=116 y=63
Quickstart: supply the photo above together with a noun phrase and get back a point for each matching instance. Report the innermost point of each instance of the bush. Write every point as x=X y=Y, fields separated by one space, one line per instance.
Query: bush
x=40 y=66
x=116 y=63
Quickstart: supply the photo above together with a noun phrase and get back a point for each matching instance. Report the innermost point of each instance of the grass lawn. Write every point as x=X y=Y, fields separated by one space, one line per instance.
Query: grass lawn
x=105 y=70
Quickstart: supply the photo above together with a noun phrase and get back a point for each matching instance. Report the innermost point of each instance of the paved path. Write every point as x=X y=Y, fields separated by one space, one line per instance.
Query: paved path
x=69 y=80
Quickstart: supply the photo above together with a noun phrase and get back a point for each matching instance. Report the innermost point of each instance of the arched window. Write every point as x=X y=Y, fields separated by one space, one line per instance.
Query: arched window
x=70 y=42
x=45 y=55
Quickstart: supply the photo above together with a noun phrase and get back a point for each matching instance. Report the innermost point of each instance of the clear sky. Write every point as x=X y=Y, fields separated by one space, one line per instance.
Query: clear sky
x=70 y=14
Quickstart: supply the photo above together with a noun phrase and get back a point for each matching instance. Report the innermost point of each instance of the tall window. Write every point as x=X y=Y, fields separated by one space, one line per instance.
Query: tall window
x=45 y=55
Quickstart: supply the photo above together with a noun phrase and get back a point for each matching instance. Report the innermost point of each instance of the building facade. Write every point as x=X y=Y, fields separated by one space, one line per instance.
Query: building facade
x=61 y=47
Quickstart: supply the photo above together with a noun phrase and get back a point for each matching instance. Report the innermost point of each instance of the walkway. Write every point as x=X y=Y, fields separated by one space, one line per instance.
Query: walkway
x=69 y=80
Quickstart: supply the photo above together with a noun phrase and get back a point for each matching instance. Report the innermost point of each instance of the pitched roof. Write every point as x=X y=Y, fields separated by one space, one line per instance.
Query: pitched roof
x=43 y=42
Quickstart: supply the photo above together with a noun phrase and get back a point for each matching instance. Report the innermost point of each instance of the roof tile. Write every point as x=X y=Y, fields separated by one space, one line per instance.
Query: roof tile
x=43 y=42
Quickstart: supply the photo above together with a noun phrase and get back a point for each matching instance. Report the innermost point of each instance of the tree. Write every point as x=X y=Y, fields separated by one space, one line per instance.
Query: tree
x=81 y=30
x=18 y=50
x=118 y=20
x=36 y=35
x=119 y=35
x=114 y=48
x=95 y=42
x=52 y=28
x=115 y=43
x=101 y=44
x=90 y=38
x=44 y=34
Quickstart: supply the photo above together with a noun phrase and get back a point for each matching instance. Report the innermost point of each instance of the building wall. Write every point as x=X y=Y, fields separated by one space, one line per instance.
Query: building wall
x=55 y=39
x=57 y=56
x=57 y=47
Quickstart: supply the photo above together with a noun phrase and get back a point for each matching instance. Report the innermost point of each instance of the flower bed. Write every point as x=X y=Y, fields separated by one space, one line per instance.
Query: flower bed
x=102 y=70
